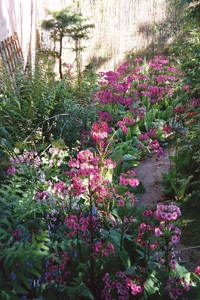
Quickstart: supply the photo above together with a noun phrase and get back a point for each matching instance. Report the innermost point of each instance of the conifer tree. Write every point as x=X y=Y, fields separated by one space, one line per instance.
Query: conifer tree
x=58 y=27
x=67 y=23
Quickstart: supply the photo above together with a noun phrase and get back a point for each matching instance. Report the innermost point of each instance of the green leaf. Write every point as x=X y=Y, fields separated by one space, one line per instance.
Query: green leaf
x=125 y=259
x=5 y=221
x=34 y=240
x=10 y=293
x=21 y=277
x=128 y=136
x=42 y=246
x=30 y=269
x=135 y=130
x=150 y=285
x=38 y=252
x=128 y=157
x=86 y=292
x=130 y=270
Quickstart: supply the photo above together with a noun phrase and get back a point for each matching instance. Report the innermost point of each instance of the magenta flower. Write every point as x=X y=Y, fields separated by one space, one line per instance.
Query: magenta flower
x=186 y=87
x=143 y=244
x=133 y=182
x=138 y=59
x=197 y=270
x=59 y=278
x=121 y=202
x=84 y=227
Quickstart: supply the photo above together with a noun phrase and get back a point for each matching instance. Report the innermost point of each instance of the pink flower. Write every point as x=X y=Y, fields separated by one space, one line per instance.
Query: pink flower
x=59 y=278
x=197 y=270
x=174 y=216
x=186 y=87
x=157 y=232
x=143 y=244
x=110 y=247
x=173 y=264
x=76 y=226
x=9 y=171
x=133 y=182
x=118 y=285
x=175 y=239
x=138 y=59
x=95 y=255
x=169 y=216
x=84 y=227
x=121 y=202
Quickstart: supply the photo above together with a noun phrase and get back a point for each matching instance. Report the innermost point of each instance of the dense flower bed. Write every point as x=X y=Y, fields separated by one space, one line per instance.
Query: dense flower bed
x=70 y=227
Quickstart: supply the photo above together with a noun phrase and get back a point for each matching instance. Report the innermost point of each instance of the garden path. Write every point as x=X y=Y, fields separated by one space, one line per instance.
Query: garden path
x=149 y=171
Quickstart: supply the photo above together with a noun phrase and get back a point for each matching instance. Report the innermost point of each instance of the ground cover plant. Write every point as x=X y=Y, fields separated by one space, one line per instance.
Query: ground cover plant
x=69 y=225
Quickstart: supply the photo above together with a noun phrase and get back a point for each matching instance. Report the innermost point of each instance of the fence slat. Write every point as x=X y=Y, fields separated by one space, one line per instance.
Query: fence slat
x=11 y=53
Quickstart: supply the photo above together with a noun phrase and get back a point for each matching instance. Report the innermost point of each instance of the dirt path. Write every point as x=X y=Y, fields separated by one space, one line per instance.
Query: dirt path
x=150 y=173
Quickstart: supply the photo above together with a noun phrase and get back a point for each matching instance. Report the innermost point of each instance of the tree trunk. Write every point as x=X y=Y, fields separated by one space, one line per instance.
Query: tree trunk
x=60 y=54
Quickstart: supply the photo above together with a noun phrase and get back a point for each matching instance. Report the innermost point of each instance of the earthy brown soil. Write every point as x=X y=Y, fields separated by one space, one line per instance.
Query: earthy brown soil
x=149 y=171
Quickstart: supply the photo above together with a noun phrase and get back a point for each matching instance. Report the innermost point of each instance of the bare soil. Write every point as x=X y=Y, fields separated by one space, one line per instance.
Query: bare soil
x=149 y=171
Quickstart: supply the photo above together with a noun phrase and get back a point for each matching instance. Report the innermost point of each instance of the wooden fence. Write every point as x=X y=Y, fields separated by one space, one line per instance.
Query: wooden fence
x=11 y=54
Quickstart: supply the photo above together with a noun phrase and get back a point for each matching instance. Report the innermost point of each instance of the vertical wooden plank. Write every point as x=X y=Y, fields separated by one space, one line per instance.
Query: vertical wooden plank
x=18 y=45
x=6 y=55
x=9 y=55
x=14 y=47
x=14 y=51
x=5 y=64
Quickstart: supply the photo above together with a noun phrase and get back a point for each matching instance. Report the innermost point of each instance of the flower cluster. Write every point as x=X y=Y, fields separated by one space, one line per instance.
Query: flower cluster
x=104 y=116
x=121 y=287
x=41 y=196
x=59 y=187
x=82 y=225
x=167 y=213
x=145 y=230
x=17 y=234
x=56 y=157
x=27 y=159
x=177 y=288
x=90 y=168
x=147 y=135
x=128 y=179
x=100 y=131
x=122 y=125
x=174 y=231
x=101 y=248
x=58 y=269
x=68 y=73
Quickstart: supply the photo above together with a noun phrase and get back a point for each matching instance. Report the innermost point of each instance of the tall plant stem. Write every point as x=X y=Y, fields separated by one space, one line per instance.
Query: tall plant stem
x=122 y=234
x=79 y=247
x=92 y=238
x=167 y=258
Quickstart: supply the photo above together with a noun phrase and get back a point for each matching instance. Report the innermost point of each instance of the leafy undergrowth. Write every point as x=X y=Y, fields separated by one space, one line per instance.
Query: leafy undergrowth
x=189 y=225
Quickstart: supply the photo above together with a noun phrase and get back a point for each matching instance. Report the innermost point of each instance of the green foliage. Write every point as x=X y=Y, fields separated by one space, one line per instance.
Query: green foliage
x=44 y=248
x=66 y=23
x=20 y=258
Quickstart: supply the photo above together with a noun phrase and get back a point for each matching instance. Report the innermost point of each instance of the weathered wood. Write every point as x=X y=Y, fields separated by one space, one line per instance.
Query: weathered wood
x=11 y=54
